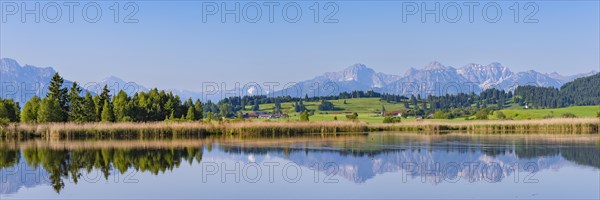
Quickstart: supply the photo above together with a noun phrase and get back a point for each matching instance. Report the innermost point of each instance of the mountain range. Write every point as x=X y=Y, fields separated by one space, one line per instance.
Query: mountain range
x=22 y=82
x=432 y=79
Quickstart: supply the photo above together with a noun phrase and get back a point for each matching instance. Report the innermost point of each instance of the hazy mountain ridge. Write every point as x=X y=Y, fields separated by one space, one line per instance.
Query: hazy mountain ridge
x=22 y=82
x=434 y=78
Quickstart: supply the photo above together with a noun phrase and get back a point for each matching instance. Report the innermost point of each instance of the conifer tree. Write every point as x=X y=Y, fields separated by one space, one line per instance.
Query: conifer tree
x=107 y=112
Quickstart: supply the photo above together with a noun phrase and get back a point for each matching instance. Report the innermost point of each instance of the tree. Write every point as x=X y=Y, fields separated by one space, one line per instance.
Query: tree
x=255 y=107
x=49 y=111
x=75 y=104
x=382 y=110
x=191 y=114
x=55 y=91
x=88 y=109
x=209 y=116
x=198 y=109
x=277 y=107
x=9 y=110
x=122 y=107
x=225 y=110
x=100 y=100
x=326 y=105
x=30 y=111
x=304 y=116
x=108 y=114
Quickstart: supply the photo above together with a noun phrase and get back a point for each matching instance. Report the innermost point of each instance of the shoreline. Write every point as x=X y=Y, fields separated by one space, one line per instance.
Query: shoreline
x=261 y=128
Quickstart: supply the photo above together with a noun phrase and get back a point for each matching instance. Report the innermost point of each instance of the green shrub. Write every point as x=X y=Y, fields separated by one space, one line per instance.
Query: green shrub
x=500 y=115
x=482 y=114
x=392 y=120
x=568 y=115
x=440 y=115
x=353 y=116
x=4 y=121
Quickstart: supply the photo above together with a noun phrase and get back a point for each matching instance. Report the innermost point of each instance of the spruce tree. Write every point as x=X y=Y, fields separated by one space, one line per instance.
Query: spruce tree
x=56 y=91
x=191 y=114
x=75 y=106
x=107 y=112
x=100 y=99
x=88 y=108
x=198 y=108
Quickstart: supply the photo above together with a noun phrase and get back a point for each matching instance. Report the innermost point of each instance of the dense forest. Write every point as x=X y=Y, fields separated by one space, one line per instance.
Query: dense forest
x=68 y=105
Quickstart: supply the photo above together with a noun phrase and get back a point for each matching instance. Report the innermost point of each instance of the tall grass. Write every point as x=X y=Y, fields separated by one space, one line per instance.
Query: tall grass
x=264 y=128
x=554 y=125
x=160 y=129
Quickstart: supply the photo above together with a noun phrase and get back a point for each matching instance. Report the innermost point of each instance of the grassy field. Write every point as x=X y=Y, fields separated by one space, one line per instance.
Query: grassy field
x=579 y=111
x=368 y=108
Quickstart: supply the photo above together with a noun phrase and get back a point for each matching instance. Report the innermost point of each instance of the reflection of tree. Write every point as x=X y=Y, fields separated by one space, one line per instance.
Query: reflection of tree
x=62 y=163
x=8 y=157
x=582 y=156
x=534 y=151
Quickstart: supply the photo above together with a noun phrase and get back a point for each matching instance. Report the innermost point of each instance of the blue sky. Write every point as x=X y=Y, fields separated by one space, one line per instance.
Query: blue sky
x=171 y=46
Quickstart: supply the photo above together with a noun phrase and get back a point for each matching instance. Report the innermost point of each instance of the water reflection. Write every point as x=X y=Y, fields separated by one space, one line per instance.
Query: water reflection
x=354 y=158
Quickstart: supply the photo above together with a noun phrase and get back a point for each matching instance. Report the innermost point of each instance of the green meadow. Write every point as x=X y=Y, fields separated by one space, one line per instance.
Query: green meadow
x=369 y=108
x=579 y=111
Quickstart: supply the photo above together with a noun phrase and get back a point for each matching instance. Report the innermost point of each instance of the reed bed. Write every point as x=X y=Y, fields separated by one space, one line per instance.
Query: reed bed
x=164 y=129
x=261 y=128
x=554 y=125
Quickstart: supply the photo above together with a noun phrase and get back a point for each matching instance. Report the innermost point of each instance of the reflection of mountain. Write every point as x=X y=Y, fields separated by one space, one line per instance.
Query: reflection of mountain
x=12 y=178
x=362 y=165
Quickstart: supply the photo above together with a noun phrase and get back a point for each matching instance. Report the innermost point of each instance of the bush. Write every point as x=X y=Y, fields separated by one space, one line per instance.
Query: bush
x=353 y=116
x=304 y=116
x=326 y=105
x=500 y=115
x=4 y=122
x=392 y=120
x=440 y=115
x=568 y=115
x=482 y=114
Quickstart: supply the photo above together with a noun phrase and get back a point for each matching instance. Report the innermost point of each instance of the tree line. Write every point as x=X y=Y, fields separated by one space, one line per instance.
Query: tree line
x=68 y=105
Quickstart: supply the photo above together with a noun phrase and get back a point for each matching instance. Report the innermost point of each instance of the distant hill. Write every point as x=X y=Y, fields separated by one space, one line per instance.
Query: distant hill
x=583 y=91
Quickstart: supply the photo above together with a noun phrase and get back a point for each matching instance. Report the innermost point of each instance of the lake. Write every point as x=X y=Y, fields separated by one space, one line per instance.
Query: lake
x=358 y=166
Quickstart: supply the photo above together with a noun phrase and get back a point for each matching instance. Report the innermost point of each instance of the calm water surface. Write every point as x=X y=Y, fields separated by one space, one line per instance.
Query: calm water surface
x=378 y=165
